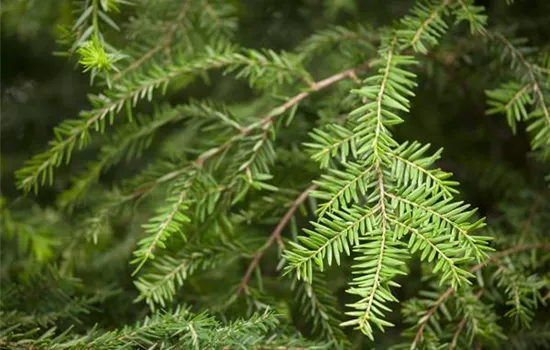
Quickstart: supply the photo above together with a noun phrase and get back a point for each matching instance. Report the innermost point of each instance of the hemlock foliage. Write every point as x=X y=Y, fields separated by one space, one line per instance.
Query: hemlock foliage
x=276 y=175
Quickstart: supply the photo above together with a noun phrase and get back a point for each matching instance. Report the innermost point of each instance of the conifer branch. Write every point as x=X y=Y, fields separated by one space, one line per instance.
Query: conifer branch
x=382 y=94
x=267 y=119
x=495 y=258
x=376 y=278
x=337 y=235
x=216 y=177
x=530 y=70
x=372 y=286
x=130 y=139
x=424 y=26
x=164 y=224
x=463 y=231
x=330 y=147
x=41 y=167
x=275 y=235
x=541 y=138
x=457 y=274
x=517 y=96
x=276 y=112
x=345 y=192
x=429 y=174
x=461 y=325
x=244 y=131
x=159 y=284
x=474 y=15
x=510 y=98
x=163 y=43
x=175 y=329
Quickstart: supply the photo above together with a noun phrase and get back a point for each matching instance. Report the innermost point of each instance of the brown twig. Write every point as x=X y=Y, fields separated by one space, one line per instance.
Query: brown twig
x=276 y=112
x=451 y=291
x=461 y=325
x=210 y=11
x=164 y=43
x=459 y=329
x=510 y=251
x=429 y=314
x=274 y=236
x=269 y=118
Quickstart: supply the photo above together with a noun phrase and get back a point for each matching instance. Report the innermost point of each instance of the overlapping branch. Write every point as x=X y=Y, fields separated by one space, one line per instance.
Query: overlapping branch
x=274 y=236
x=443 y=297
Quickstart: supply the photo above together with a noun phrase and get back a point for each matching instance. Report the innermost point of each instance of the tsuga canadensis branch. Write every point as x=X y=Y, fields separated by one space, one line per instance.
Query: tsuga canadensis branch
x=276 y=112
x=495 y=258
x=267 y=119
x=275 y=236
x=432 y=17
x=164 y=43
x=524 y=97
x=461 y=324
x=166 y=222
x=532 y=77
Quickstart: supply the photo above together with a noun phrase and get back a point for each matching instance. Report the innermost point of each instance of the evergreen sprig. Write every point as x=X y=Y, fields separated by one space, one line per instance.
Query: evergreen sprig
x=320 y=307
x=170 y=330
x=425 y=25
x=529 y=101
x=168 y=221
x=76 y=132
x=395 y=206
x=159 y=283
